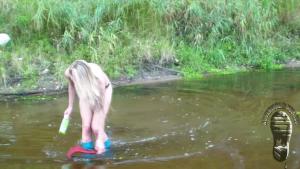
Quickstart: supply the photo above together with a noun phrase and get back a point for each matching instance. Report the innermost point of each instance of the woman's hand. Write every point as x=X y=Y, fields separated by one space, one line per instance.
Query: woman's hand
x=68 y=112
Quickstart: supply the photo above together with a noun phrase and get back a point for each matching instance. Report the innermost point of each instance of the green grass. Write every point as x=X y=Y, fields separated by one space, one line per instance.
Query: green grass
x=205 y=35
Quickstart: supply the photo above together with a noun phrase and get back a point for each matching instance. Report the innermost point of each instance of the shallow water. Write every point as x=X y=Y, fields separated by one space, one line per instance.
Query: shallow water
x=209 y=123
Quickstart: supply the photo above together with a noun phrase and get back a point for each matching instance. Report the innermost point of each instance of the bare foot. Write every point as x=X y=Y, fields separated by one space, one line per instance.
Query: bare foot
x=100 y=150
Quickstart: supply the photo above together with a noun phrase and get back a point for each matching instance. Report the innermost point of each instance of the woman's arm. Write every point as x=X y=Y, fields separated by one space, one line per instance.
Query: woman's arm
x=71 y=91
x=71 y=94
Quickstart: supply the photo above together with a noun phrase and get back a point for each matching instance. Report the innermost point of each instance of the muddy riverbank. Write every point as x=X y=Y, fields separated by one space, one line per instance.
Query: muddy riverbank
x=47 y=84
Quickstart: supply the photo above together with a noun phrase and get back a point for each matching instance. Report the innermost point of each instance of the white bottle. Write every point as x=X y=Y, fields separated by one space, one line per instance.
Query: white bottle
x=64 y=125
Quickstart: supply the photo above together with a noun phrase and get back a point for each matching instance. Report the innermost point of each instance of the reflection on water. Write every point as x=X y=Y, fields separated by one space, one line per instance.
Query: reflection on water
x=209 y=123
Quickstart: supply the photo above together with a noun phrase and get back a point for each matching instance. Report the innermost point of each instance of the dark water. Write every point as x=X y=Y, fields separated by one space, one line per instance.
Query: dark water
x=210 y=123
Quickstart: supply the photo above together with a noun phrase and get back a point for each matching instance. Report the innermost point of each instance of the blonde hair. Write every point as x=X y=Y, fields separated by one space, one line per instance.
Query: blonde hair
x=86 y=83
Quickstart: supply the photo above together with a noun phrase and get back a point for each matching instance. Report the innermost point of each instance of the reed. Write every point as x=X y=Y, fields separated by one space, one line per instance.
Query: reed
x=123 y=35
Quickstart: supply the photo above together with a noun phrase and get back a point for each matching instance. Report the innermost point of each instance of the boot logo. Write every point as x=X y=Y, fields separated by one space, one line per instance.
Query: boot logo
x=280 y=117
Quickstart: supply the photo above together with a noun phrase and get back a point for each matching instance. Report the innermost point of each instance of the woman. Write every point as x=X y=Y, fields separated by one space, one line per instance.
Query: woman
x=94 y=91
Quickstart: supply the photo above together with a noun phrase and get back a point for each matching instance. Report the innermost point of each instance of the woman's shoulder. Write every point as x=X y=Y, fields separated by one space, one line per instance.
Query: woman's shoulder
x=95 y=67
x=67 y=72
x=99 y=73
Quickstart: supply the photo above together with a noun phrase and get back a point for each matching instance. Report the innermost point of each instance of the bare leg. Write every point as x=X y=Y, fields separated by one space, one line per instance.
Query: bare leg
x=107 y=100
x=98 y=125
x=86 y=119
x=98 y=122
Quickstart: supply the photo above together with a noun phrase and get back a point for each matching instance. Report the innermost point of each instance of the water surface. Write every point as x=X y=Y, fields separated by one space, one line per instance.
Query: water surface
x=210 y=123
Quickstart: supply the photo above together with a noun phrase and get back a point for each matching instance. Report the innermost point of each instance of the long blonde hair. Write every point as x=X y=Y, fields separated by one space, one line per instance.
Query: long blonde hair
x=86 y=83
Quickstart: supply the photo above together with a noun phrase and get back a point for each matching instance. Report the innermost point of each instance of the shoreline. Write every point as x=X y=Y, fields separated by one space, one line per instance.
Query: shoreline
x=49 y=87
x=7 y=96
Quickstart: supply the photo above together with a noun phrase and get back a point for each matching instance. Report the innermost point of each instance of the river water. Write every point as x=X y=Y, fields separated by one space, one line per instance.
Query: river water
x=210 y=123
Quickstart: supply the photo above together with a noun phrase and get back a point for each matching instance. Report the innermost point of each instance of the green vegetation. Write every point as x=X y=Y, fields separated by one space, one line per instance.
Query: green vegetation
x=122 y=35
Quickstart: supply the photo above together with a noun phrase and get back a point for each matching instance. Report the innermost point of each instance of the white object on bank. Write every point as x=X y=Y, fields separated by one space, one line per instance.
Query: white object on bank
x=4 y=39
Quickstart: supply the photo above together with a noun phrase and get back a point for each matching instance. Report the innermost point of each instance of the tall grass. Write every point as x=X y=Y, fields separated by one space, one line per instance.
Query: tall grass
x=122 y=35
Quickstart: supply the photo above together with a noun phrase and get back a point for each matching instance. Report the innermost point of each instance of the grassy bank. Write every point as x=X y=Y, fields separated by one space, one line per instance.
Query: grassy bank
x=122 y=35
